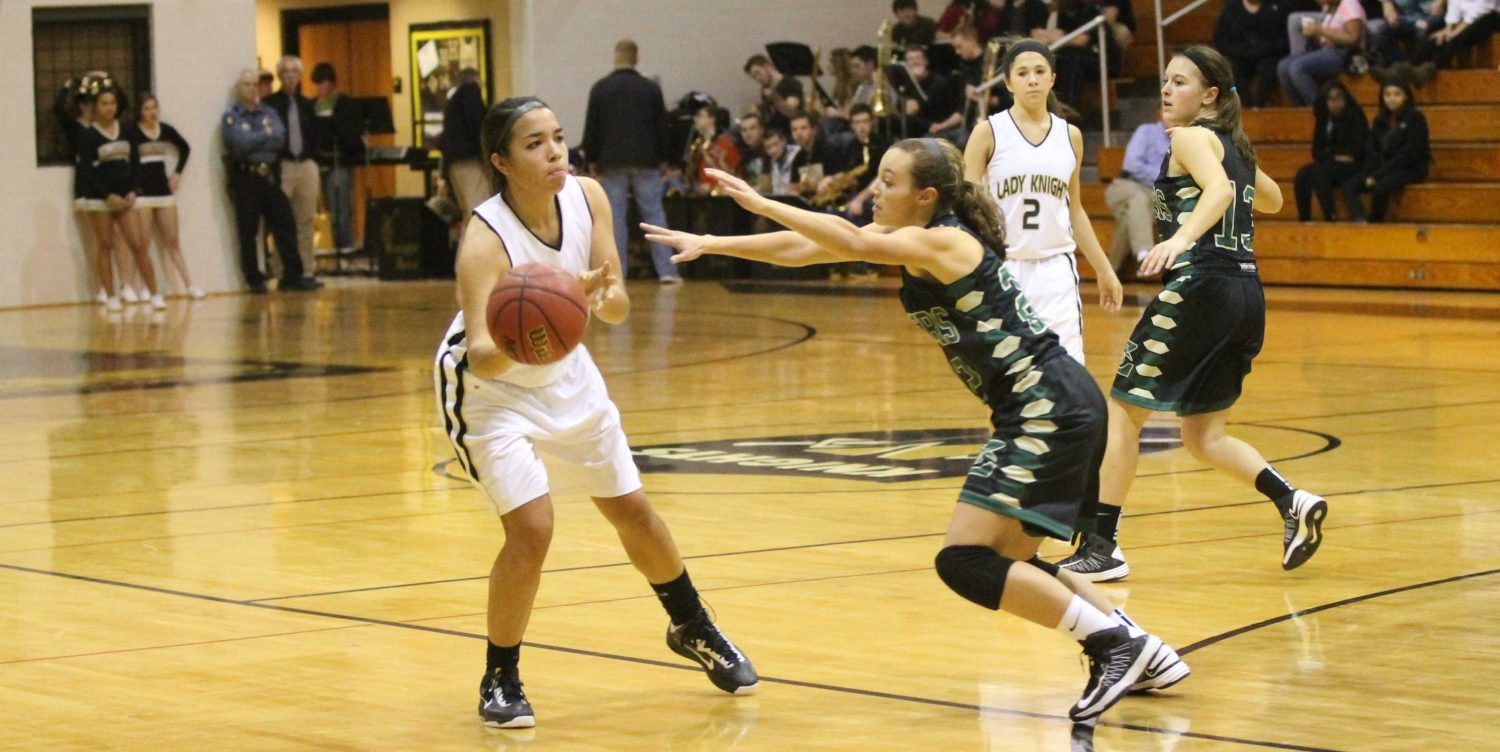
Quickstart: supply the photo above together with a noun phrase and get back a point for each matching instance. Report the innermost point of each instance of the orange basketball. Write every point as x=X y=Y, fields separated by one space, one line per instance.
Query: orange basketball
x=537 y=313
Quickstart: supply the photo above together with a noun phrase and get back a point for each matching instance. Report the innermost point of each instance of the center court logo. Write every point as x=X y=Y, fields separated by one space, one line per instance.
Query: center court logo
x=885 y=456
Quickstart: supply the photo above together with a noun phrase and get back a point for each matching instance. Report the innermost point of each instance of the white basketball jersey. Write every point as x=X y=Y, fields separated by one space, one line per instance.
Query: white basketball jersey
x=524 y=247
x=1030 y=183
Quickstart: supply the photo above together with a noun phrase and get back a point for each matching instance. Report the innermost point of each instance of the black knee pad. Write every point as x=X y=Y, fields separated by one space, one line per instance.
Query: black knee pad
x=1045 y=566
x=974 y=572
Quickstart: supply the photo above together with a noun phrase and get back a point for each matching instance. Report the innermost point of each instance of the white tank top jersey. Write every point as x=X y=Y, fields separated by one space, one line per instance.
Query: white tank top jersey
x=1030 y=183
x=524 y=247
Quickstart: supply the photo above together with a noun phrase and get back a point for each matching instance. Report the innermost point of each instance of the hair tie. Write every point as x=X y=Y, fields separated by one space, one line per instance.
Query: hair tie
x=1234 y=90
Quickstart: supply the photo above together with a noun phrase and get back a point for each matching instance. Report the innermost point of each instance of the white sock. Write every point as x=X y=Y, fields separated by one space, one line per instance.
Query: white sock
x=1082 y=620
x=1124 y=621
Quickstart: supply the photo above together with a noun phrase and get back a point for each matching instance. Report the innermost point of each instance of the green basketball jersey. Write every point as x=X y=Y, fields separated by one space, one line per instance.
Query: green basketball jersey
x=1226 y=247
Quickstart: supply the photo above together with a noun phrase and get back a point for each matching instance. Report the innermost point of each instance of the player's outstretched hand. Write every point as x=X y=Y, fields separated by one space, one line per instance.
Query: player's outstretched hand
x=738 y=190
x=1157 y=259
x=1111 y=292
x=598 y=284
x=687 y=245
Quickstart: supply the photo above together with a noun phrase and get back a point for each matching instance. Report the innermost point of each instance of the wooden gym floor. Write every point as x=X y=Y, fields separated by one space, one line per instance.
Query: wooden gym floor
x=237 y=527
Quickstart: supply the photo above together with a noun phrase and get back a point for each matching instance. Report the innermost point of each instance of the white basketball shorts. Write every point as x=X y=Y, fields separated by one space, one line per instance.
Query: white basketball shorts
x=1051 y=285
x=502 y=432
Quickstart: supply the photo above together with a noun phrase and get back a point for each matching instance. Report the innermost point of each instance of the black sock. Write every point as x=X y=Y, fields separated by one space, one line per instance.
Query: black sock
x=1274 y=487
x=679 y=598
x=1107 y=521
x=505 y=659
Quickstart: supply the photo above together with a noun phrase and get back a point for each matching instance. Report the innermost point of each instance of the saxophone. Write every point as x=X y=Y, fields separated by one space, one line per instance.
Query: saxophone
x=839 y=185
x=882 y=56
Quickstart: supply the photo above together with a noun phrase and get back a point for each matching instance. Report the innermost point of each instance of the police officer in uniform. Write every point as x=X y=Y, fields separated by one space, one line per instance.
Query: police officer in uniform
x=253 y=139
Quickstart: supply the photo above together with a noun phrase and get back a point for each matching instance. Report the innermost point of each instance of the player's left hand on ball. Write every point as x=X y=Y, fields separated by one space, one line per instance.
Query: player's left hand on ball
x=687 y=245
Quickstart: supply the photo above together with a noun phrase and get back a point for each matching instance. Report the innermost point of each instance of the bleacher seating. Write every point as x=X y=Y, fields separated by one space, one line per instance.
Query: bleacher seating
x=1443 y=234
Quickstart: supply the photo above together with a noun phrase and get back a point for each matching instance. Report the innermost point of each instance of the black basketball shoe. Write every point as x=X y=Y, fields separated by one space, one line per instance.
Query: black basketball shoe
x=1098 y=559
x=701 y=641
x=1304 y=528
x=502 y=702
x=1163 y=670
x=1116 y=661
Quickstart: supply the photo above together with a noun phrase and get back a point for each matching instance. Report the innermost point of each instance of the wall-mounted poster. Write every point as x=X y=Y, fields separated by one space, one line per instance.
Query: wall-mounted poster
x=440 y=53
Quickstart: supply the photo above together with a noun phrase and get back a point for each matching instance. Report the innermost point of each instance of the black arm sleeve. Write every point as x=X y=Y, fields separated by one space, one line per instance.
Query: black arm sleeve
x=171 y=136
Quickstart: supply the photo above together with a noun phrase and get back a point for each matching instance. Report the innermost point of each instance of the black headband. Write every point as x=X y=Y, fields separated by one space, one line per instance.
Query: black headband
x=515 y=115
x=1030 y=45
x=1201 y=61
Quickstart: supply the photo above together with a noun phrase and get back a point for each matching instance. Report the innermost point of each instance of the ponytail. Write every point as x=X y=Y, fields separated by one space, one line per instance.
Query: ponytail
x=974 y=208
x=1214 y=70
x=939 y=164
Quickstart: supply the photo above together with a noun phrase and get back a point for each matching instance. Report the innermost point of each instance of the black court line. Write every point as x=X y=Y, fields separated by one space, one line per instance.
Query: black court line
x=988 y=709
x=585 y=567
x=915 y=536
x=808 y=332
x=1218 y=638
x=250 y=505
x=278 y=371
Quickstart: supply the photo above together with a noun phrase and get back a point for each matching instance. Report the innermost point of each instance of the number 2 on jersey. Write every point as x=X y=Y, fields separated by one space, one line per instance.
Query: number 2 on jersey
x=1028 y=220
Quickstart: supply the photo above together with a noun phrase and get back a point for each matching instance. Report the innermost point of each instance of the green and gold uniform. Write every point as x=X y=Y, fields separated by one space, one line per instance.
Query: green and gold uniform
x=1192 y=348
x=1041 y=464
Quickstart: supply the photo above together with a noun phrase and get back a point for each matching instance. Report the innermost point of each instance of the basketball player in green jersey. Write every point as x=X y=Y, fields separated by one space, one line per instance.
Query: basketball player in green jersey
x=1038 y=473
x=1193 y=346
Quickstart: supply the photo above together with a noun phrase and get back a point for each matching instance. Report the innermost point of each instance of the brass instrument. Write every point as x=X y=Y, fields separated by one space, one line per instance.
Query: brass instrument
x=882 y=56
x=838 y=185
x=991 y=62
x=701 y=152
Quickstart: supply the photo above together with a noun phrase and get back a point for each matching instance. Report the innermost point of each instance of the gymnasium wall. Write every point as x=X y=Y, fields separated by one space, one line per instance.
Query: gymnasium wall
x=563 y=46
x=199 y=47
x=403 y=13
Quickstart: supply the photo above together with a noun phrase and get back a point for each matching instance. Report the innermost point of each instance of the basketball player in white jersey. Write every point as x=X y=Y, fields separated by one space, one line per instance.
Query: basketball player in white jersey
x=1029 y=159
x=503 y=416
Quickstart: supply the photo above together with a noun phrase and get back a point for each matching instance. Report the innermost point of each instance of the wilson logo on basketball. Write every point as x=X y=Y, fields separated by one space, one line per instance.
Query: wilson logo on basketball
x=541 y=344
x=885 y=456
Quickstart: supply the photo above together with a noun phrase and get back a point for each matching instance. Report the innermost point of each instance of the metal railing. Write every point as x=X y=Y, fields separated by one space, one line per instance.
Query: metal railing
x=1161 y=34
x=1095 y=23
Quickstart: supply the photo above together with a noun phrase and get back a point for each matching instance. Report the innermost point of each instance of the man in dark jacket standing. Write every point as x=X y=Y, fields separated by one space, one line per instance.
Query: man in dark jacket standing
x=462 y=116
x=299 y=171
x=624 y=141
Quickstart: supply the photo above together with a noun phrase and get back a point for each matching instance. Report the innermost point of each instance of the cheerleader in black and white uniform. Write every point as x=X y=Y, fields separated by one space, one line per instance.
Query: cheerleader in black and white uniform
x=163 y=154
x=107 y=171
x=75 y=114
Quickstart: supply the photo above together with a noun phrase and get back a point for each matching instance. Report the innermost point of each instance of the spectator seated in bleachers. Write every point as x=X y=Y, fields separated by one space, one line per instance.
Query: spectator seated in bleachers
x=750 y=138
x=934 y=109
x=1469 y=23
x=1398 y=155
x=1078 y=60
x=1251 y=34
x=1131 y=195
x=911 y=28
x=1334 y=37
x=711 y=148
x=1340 y=139
x=1402 y=24
x=780 y=96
